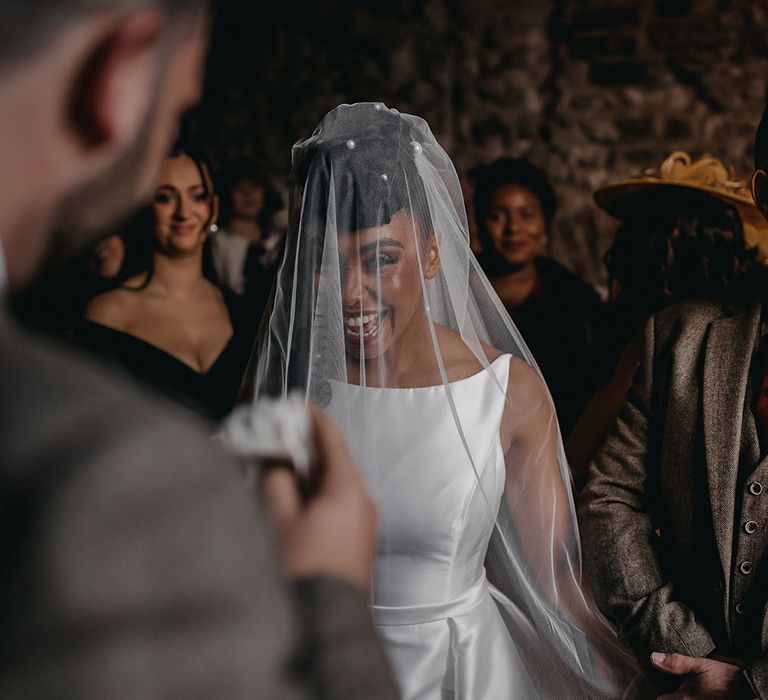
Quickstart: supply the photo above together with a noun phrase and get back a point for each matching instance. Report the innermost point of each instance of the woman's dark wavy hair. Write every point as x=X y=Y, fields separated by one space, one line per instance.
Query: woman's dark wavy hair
x=234 y=172
x=139 y=232
x=680 y=246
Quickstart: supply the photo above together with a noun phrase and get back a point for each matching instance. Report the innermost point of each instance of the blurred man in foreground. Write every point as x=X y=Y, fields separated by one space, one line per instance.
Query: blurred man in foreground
x=133 y=564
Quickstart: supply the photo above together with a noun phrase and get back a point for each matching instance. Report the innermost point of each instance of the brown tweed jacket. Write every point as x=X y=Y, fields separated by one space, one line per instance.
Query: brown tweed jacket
x=133 y=563
x=657 y=516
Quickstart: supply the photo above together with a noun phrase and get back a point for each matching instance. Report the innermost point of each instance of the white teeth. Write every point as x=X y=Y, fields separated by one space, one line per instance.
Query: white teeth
x=355 y=324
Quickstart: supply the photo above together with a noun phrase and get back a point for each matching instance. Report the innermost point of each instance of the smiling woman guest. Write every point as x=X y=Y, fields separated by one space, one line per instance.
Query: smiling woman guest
x=556 y=312
x=169 y=325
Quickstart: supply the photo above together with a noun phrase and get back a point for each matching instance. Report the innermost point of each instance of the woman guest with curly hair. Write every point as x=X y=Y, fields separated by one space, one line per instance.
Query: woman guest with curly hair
x=690 y=231
x=556 y=312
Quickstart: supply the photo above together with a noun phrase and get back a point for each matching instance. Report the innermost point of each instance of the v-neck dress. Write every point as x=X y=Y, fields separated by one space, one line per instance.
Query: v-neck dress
x=211 y=394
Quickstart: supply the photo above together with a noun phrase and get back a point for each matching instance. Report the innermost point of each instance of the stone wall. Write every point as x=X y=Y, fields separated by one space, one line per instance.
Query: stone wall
x=591 y=90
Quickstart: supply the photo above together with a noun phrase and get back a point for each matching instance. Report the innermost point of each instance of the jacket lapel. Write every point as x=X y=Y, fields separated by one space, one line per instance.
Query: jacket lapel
x=727 y=359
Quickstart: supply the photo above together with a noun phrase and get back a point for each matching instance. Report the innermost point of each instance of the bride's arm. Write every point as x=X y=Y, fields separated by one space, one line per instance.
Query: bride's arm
x=534 y=556
x=537 y=494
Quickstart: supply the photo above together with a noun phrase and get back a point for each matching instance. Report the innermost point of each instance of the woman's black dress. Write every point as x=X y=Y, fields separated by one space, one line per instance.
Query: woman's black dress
x=562 y=323
x=211 y=394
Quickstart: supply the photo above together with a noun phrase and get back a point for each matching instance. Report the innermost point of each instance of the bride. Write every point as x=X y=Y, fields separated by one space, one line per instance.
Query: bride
x=382 y=316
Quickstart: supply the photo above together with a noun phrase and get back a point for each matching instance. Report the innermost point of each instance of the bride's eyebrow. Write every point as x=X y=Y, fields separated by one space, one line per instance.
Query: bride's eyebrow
x=381 y=243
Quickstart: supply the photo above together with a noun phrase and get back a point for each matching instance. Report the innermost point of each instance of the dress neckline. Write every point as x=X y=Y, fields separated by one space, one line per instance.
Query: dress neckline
x=432 y=387
x=151 y=346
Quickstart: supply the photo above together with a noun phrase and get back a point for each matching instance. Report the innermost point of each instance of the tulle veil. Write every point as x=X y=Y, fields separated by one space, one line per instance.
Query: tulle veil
x=378 y=289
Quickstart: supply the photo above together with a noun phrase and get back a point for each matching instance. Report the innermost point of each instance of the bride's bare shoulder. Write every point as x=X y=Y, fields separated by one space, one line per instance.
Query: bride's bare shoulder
x=525 y=380
x=463 y=359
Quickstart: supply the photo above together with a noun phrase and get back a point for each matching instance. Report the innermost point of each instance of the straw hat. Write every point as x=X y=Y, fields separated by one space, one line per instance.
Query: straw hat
x=679 y=172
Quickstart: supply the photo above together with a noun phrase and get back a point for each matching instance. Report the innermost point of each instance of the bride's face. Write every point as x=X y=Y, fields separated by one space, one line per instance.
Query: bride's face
x=382 y=270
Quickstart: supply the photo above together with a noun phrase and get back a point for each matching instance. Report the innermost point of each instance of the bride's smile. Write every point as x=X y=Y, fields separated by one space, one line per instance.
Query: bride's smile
x=381 y=270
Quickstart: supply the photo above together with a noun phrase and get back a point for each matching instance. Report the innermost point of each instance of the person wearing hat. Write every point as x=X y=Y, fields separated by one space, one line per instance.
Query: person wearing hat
x=689 y=230
x=674 y=515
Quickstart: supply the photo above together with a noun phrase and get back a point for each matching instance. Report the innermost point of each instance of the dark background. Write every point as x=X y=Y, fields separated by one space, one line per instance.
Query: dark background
x=591 y=90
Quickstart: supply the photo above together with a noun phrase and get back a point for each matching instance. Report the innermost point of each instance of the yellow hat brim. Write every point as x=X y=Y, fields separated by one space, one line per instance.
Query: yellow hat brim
x=622 y=200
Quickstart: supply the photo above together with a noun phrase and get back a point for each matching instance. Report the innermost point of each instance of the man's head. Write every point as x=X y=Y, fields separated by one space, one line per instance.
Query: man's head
x=90 y=96
x=760 y=178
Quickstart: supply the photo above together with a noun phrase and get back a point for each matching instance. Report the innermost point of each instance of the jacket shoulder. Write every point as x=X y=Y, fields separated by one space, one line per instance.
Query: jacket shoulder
x=693 y=315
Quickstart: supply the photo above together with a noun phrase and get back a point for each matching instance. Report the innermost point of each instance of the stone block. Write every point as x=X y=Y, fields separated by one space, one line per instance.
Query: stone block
x=604 y=46
x=610 y=73
x=608 y=16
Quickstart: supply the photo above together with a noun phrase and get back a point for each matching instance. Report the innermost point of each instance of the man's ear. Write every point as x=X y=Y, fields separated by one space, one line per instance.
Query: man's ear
x=117 y=81
x=760 y=190
x=432 y=261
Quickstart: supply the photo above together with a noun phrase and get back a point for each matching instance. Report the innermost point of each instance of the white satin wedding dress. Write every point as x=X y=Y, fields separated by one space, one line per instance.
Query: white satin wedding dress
x=433 y=604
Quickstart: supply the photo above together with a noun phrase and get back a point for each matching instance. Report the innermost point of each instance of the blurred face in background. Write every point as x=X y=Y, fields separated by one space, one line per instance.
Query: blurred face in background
x=515 y=225
x=108 y=256
x=183 y=207
x=475 y=244
x=247 y=199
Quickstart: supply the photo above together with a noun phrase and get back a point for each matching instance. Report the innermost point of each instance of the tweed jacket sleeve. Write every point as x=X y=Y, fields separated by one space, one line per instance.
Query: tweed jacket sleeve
x=757 y=672
x=340 y=657
x=618 y=534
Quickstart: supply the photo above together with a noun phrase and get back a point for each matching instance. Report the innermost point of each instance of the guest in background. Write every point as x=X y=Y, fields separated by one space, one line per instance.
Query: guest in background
x=248 y=245
x=107 y=257
x=556 y=312
x=673 y=515
x=54 y=305
x=692 y=230
x=468 y=195
x=169 y=325
x=108 y=264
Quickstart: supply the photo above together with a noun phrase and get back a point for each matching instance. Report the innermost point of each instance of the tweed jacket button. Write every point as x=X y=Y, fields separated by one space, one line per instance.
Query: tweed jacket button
x=745 y=567
x=750 y=527
x=755 y=488
x=741 y=609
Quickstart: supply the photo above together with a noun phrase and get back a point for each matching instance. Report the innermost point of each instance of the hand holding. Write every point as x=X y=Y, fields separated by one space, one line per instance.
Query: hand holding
x=333 y=531
x=707 y=679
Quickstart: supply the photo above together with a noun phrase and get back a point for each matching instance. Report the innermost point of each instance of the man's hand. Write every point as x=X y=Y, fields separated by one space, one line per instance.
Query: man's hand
x=707 y=679
x=333 y=533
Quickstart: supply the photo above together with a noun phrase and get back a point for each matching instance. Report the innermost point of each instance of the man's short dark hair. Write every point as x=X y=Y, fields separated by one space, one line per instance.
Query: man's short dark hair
x=29 y=25
x=761 y=143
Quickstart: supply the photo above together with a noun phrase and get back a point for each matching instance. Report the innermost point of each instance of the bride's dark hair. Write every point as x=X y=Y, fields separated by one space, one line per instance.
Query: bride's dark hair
x=373 y=175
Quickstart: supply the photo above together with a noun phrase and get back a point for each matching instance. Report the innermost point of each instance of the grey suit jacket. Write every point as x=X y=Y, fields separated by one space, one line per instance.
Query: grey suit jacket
x=134 y=564
x=671 y=465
